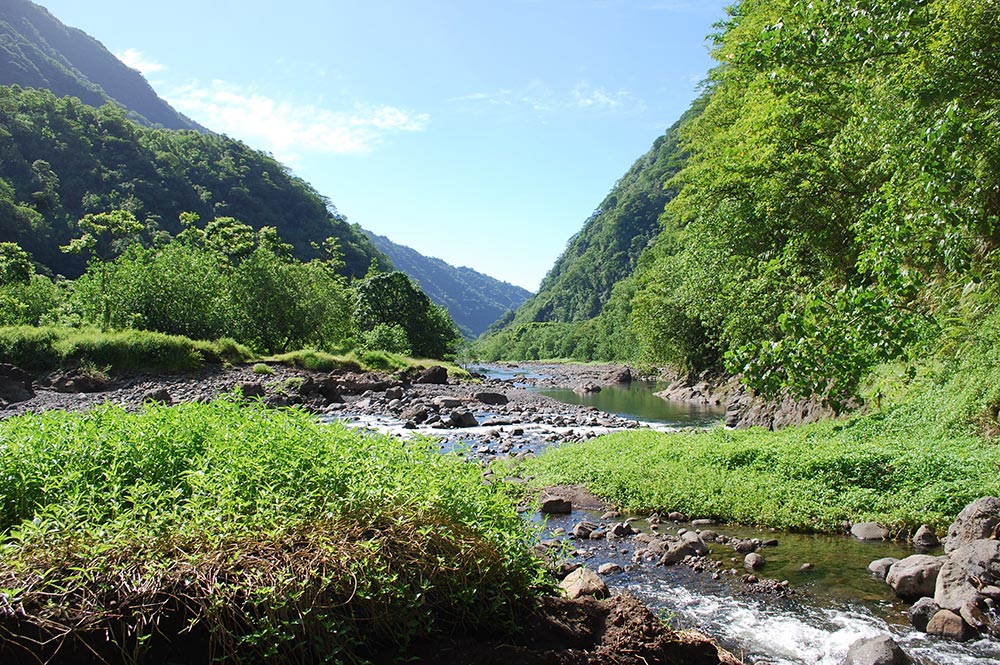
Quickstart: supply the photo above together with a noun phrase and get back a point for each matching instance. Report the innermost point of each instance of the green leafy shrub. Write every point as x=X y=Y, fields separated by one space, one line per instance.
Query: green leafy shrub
x=267 y=535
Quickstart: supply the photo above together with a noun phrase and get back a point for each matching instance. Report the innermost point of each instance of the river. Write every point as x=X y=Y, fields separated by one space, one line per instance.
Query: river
x=831 y=605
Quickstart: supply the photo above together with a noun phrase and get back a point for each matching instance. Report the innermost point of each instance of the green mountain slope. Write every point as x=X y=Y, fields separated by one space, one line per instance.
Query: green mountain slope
x=607 y=249
x=473 y=299
x=61 y=159
x=38 y=51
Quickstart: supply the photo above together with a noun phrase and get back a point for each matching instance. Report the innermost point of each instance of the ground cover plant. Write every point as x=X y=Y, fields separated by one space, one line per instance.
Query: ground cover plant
x=51 y=347
x=229 y=531
x=926 y=447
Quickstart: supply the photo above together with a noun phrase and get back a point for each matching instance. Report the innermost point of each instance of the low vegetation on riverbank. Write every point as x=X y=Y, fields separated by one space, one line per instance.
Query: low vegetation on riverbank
x=928 y=449
x=231 y=530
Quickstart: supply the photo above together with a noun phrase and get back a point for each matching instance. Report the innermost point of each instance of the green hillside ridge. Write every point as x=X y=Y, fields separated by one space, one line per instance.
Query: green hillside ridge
x=61 y=159
x=837 y=207
x=474 y=300
x=38 y=51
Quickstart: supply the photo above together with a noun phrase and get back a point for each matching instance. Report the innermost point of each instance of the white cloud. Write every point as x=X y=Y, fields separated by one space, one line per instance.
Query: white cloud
x=587 y=97
x=135 y=59
x=540 y=98
x=285 y=128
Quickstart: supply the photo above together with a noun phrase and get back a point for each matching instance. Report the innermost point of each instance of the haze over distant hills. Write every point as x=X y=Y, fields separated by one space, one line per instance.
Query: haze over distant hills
x=474 y=300
x=38 y=51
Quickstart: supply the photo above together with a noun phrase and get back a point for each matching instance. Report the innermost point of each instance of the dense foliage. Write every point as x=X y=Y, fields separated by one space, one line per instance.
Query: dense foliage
x=920 y=458
x=61 y=160
x=838 y=205
x=473 y=299
x=221 y=281
x=245 y=534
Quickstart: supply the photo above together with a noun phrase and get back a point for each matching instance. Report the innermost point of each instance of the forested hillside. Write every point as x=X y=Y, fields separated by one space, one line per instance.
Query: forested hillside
x=61 y=159
x=473 y=299
x=38 y=51
x=839 y=203
x=607 y=248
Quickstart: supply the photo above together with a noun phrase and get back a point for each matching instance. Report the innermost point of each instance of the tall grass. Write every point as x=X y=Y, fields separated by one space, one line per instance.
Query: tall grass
x=255 y=534
x=49 y=348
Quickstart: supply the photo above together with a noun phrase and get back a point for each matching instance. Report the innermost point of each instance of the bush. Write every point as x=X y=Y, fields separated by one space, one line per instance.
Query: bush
x=267 y=535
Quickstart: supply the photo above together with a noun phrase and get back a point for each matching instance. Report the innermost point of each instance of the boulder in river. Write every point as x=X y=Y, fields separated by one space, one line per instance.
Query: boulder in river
x=587 y=388
x=869 y=531
x=914 y=577
x=921 y=613
x=978 y=520
x=880 y=567
x=878 y=650
x=584 y=582
x=491 y=399
x=462 y=419
x=753 y=561
x=925 y=538
x=435 y=374
x=553 y=504
x=949 y=625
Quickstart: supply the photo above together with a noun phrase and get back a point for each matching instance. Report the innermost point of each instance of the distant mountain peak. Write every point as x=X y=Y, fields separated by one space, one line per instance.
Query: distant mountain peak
x=473 y=299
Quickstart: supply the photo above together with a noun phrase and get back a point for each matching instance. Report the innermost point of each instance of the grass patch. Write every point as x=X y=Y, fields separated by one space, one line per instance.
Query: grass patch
x=229 y=531
x=929 y=446
x=49 y=348
x=381 y=361
x=809 y=478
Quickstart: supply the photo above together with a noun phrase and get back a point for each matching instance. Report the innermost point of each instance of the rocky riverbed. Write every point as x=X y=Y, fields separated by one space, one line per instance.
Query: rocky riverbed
x=489 y=418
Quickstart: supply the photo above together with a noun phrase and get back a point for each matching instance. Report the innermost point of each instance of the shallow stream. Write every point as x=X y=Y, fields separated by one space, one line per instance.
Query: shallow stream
x=830 y=606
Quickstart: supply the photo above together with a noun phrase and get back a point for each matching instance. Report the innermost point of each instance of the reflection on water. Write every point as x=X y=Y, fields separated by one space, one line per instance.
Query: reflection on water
x=637 y=400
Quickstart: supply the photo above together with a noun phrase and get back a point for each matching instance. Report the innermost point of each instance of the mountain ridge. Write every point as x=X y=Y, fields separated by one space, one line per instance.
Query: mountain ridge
x=474 y=299
x=39 y=51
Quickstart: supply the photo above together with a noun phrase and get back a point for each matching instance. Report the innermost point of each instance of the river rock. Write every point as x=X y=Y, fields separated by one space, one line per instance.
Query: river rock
x=552 y=504
x=925 y=538
x=252 y=390
x=15 y=385
x=461 y=418
x=584 y=582
x=435 y=375
x=694 y=541
x=395 y=392
x=445 y=402
x=582 y=530
x=921 y=612
x=879 y=650
x=159 y=396
x=880 y=567
x=491 y=399
x=946 y=623
x=587 y=388
x=977 y=521
x=869 y=531
x=623 y=375
x=753 y=561
x=677 y=517
x=914 y=577
x=75 y=381
x=703 y=521
x=980 y=560
x=621 y=530
x=745 y=545
x=676 y=551
x=953 y=590
x=609 y=569
x=416 y=414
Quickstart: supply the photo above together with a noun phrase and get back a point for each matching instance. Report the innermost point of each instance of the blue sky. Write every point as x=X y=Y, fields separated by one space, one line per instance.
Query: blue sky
x=480 y=132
